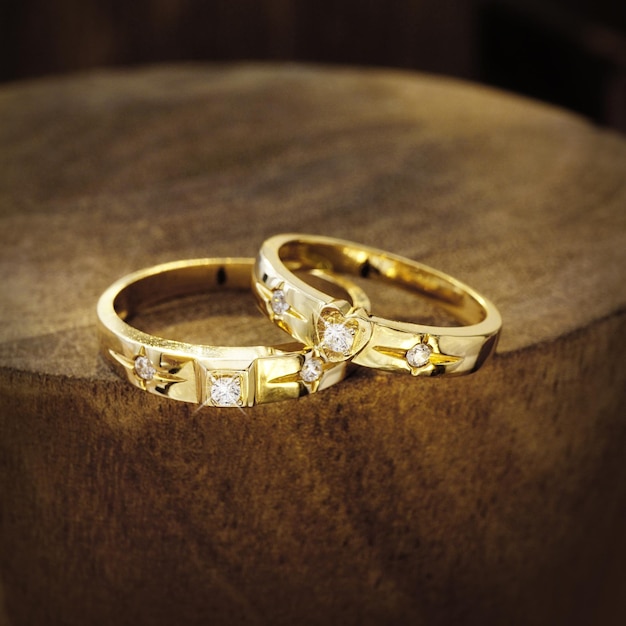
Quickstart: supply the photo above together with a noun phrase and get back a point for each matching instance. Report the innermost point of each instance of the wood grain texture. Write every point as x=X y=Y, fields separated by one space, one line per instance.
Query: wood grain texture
x=491 y=499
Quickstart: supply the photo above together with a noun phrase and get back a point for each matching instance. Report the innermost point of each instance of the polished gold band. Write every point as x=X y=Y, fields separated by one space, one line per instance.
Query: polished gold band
x=207 y=375
x=341 y=331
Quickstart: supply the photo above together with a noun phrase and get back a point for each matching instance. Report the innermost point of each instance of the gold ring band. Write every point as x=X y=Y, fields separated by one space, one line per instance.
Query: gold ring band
x=341 y=331
x=207 y=375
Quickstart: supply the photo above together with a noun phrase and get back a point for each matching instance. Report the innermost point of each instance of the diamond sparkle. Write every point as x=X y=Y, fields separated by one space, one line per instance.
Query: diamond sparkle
x=279 y=302
x=338 y=337
x=144 y=368
x=419 y=355
x=226 y=391
x=311 y=370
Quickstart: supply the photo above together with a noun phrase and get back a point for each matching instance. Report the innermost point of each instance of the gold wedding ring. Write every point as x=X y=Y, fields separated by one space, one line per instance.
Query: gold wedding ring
x=341 y=331
x=207 y=375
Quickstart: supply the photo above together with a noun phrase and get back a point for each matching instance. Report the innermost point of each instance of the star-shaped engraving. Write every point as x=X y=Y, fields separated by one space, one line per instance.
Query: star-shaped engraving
x=423 y=358
x=144 y=373
x=313 y=369
x=277 y=307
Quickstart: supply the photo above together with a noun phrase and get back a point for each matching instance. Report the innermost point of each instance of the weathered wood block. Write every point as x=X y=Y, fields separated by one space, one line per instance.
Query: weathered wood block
x=498 y=498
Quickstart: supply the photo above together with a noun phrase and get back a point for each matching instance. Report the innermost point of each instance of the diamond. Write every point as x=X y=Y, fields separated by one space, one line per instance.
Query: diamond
x=226 y=391
x=279 y=302
x=311 y=370
x=144 y=368
x=419 y=355
x=338 y=337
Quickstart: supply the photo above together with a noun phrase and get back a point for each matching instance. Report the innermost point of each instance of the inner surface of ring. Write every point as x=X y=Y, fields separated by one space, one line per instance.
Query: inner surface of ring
x=203 y=303
x=371 y=264
x=207 y=303
x=175 y=283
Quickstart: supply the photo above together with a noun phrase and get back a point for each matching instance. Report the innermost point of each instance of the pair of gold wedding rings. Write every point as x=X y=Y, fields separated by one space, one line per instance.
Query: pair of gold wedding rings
x=332 y=332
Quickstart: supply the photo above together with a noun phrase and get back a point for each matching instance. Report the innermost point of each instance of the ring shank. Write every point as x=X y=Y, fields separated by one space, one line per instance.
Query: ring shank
x=372 y=264
x=145 y=289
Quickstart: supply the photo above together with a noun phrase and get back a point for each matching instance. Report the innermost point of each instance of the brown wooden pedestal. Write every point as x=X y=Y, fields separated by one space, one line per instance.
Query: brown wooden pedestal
x=498 y=498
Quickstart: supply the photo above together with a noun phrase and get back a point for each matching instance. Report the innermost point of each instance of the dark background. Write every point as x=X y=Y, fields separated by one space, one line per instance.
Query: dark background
x=569 y=52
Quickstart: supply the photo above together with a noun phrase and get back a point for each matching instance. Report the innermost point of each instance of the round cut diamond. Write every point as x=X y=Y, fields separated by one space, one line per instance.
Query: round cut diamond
x=279 y=302
x=418 y=355
x=338 y=337
x=226 y=391
x=144 y=368
x=311 y=370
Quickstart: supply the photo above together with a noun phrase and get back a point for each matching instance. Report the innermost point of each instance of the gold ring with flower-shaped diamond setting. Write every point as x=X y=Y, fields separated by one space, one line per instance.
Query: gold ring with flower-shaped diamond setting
x=203 y=374
x=341 y=331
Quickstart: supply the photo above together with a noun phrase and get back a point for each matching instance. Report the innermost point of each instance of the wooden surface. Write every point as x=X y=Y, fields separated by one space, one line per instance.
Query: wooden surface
x=499 y=498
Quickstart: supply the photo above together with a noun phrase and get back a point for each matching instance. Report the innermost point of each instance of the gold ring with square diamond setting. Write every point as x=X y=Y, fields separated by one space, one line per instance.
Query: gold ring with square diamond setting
x=223 y=376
